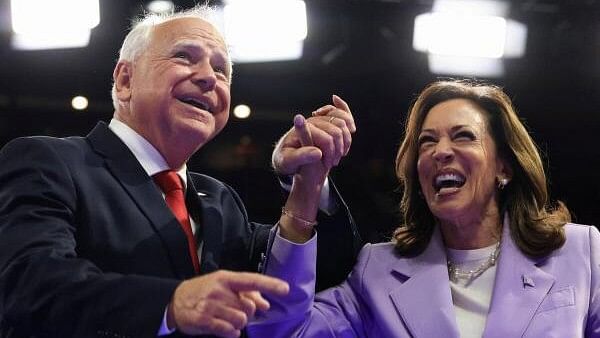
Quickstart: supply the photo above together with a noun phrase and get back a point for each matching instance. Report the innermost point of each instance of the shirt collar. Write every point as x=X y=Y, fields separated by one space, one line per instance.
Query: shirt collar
x=150 y=159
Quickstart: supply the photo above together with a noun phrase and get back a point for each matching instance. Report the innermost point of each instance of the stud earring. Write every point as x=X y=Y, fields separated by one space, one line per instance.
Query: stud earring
x=502 y=182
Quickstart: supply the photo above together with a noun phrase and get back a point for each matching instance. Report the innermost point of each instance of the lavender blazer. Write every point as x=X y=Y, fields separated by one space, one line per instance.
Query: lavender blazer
x=391 y=296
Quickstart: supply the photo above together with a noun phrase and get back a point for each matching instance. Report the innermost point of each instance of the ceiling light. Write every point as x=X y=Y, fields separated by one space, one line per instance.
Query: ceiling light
x=53 y=24
x=468 y=37
x=160 y=6
x=456 y=34
x=241 y=111
x=79 y=102
x=267 y=30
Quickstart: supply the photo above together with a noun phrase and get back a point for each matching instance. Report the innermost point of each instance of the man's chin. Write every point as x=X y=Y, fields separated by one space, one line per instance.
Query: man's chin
x=199 y=136
x=197 y=132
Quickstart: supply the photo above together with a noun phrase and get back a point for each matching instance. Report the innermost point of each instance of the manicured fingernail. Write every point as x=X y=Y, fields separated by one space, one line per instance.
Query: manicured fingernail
x=299 y=121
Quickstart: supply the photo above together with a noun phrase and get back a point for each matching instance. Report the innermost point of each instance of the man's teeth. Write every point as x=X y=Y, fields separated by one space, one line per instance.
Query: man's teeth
x=196 y=103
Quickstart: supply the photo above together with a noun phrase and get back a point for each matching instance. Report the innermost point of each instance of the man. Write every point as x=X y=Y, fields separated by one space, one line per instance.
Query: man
x=95 y=237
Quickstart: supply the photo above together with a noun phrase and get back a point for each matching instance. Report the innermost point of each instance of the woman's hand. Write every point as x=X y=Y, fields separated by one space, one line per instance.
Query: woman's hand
x=309 y=150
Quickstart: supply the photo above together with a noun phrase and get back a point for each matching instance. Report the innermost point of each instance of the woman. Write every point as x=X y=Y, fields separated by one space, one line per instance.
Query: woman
x=480 y=252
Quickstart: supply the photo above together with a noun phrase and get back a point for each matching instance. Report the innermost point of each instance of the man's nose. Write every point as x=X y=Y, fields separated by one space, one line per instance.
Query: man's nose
x=204 y=76
x=443 y=151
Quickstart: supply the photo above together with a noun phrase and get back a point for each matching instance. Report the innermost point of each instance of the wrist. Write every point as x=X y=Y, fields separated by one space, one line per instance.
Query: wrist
x=303 y=223
x=293 y=232
x=296 y=223
x=309 y=188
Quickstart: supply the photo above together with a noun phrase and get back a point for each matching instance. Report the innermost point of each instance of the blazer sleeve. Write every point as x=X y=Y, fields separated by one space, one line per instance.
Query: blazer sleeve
x=593 y=320
x=337 y=230
x=335 y=312
x=46 y=289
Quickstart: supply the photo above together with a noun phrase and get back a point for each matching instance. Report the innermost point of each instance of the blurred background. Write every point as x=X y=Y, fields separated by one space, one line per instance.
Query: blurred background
x=373 y=53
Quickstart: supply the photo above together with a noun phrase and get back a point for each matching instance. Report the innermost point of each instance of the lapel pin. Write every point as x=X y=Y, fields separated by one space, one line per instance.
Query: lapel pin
x=527 y=281
x=201 y=194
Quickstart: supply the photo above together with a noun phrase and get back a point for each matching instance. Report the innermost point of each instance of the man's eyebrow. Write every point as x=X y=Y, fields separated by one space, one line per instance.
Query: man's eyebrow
x=186 y=45
x=196 y=45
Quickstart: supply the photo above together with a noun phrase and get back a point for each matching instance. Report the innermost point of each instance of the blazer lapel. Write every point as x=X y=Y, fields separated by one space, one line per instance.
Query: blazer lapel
x=207 y=212
x=520 y=286
x=142 y=190
x=424 y=301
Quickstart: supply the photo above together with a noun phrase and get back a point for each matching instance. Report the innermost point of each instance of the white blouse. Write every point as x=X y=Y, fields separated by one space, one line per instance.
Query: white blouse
x=471 y=298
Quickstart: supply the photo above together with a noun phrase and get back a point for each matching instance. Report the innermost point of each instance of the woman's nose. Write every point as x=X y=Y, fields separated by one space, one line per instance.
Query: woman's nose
x=443 y=151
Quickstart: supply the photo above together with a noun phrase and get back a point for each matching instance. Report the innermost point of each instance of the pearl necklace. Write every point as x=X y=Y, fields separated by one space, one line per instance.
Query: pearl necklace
x=455 y=273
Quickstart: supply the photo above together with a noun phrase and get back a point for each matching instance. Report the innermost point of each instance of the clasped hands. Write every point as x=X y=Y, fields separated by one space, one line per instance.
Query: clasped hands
x=222 y=302
x=308 y=151
x=322 y=139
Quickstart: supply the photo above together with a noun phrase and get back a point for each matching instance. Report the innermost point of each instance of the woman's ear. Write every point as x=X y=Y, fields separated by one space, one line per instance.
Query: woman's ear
x=505 y=174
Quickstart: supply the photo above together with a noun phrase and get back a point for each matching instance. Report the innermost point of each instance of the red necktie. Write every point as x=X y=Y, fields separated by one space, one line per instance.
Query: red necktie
x=171 y=185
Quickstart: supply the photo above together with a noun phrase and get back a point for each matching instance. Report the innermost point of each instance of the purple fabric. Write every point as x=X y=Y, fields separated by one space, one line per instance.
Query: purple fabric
x=390 y=296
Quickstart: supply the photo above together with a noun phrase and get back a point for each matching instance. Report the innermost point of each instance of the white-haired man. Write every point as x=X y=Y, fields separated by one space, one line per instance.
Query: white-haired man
x=109 y=235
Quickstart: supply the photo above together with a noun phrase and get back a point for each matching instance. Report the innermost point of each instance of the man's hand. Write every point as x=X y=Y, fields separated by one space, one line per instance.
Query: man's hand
x=221 y=303
x=308 y=151
x=330 y=129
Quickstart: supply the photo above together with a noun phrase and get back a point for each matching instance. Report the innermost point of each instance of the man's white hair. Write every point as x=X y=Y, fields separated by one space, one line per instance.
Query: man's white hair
x=137 y=39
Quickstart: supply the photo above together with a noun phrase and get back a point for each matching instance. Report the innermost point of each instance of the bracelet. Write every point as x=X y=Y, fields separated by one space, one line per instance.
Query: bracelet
x=302 y=221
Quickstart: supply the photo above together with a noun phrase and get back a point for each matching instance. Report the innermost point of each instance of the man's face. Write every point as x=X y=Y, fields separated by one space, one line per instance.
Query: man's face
x=179 y=87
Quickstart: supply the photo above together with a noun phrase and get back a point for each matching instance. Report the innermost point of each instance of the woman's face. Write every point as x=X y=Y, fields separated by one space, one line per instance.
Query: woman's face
x=458 y=163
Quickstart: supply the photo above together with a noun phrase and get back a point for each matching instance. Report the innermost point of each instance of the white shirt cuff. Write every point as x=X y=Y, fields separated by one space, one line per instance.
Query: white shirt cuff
x=164 y=328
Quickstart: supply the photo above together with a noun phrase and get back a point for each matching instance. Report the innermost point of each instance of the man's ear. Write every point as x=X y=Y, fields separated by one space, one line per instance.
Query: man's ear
x=122 y=78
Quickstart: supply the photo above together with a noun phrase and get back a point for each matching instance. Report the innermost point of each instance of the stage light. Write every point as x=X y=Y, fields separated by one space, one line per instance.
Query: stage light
x=468 y=37
x=53 y=24
x=241 y=111
x=160 y=6
x=464 y=65
x=265 y=30
x=472 y=7
x=461 y=35
x=79 y=102
x=56 y=40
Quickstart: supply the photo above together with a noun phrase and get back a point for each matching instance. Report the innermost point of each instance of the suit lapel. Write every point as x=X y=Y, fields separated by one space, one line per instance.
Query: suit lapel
x=207 y=212
x=142 y=190
x=520 y=287
x=424 y=301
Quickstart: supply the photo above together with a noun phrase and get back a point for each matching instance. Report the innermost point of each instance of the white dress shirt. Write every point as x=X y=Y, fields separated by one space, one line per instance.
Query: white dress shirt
x=153 y=163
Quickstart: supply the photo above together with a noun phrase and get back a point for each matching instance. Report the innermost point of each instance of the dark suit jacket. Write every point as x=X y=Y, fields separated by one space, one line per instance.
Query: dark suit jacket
x=89 y=248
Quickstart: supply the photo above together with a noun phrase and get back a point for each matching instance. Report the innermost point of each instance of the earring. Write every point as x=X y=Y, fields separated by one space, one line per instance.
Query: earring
x=502 y=182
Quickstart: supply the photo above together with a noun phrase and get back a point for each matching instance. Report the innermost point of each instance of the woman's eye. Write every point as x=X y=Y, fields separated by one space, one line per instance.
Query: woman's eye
x=425 y=140
x=464 y=135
